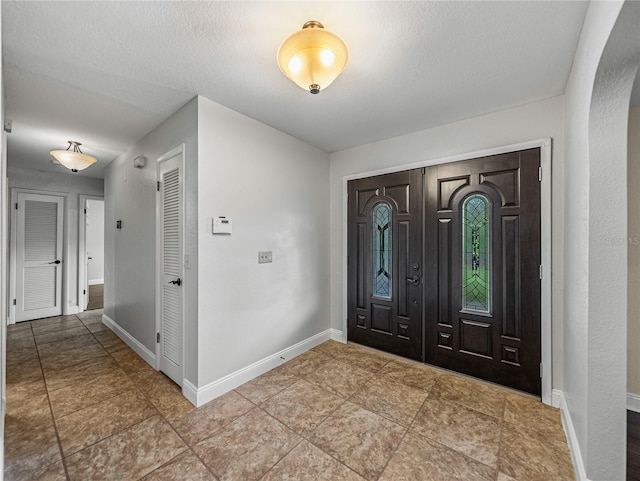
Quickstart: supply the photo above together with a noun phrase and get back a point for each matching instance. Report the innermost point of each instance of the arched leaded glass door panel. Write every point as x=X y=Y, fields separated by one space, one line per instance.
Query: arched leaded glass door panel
x=476 y=253
x=385 y=262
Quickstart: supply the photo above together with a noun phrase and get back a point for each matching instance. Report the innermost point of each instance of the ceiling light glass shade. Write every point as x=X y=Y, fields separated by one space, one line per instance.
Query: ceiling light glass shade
x=73 y=160
x=313 y=57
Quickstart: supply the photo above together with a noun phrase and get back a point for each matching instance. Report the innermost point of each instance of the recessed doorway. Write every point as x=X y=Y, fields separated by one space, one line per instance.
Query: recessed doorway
x=444 y=266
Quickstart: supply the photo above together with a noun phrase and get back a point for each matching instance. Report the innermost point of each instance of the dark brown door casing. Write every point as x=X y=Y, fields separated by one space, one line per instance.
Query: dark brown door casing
x=387 y=320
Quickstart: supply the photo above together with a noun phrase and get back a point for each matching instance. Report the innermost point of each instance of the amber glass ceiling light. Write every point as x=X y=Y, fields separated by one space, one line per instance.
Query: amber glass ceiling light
x=313 y=57
x=73 y=160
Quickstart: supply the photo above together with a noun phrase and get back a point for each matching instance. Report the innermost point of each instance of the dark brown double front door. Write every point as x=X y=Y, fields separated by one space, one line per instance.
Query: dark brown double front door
x=443 y=266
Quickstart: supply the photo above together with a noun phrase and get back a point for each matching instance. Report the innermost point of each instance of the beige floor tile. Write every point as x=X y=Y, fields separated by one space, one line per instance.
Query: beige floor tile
x=359 y=438
x=302 y=406
x=270 y=383
x=504 y=477
x=17 y=355
x=52 y=336
x=339 y=378
x=23 y=371
x=186 y=467
x=308 y=463
x=128 y=455
x=174 y=410
x=69 y=352
x=472 y=433
x=532 y=414
x=90 y=425
x=91 y=315
x=410 y=373
x=159 y=389
x=358 y=356
x=96 y=326
x=74 y=397
x=47 y=320
x=418 y=459
x=130 y=362
x=18 y=327
x=52 y=472
x=21 y=340
x=307 y=363
x=55 y=324
x=110 y=341
x=27 y=457
x=470 y=393
x=80 y=373
x=530 y=456
x=27 y=410
x=200 y=423
x=248 y=447
x=393 y=400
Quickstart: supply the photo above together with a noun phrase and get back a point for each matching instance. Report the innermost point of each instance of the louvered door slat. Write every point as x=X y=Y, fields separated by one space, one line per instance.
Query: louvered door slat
x=171 y=222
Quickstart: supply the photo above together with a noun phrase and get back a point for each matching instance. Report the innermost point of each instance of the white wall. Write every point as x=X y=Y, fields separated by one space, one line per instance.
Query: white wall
x=595 y=254
x=74 y=186
x=529 y=122
x=130 y=252
x=3 y=263
x=274 y=187
x=633 y=232
x=95 y=240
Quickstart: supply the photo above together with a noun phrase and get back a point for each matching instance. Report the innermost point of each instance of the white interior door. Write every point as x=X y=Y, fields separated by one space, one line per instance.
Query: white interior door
x=39 y=256
x=171 y=253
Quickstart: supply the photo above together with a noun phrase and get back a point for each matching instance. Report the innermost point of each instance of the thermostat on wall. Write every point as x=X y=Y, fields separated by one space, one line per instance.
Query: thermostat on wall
x=221 y=225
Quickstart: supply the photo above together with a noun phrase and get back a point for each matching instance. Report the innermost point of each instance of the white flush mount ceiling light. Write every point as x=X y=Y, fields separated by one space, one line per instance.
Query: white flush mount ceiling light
x=313 y=57
x=73 y=160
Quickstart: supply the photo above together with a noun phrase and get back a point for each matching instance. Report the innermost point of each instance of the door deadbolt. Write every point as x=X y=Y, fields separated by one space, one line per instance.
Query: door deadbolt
x=416 y=266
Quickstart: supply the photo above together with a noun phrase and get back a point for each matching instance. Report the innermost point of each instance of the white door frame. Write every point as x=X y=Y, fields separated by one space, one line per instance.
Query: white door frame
x=82 y=248
x=180 y=149
x=545 y=235
x=13 y=250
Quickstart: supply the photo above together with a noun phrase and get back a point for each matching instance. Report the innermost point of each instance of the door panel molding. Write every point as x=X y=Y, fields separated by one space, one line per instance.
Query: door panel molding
x=545 y=146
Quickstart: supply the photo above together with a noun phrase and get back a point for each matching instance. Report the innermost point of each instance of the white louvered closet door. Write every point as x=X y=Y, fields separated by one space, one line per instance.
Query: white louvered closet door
x=39 y=256
x=171 y=325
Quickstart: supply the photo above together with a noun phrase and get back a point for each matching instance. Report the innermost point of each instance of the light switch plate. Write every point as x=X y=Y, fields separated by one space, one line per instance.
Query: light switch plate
x=265 y=257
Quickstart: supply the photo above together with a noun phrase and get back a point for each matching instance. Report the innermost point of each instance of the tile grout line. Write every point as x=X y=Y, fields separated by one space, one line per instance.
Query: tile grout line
x=53 y=419
x=404 y=435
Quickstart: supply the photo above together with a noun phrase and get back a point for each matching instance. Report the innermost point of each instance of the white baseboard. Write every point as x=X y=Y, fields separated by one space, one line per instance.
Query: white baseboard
x=131 y=341
x=574 y=447
x=70 y=310
x=337 y=335
x=556 y=395
x=209 y=392
x=633 y=402
x=95 y=282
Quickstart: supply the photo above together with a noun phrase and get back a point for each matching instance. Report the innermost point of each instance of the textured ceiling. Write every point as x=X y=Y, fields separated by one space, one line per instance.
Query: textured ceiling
x=106 y=73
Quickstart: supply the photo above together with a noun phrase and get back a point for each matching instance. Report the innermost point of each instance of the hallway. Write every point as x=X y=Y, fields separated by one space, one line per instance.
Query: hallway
x=83 y=406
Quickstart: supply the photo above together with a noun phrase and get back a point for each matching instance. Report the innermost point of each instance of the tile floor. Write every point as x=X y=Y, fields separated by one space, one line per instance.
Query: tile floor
x=82 y=406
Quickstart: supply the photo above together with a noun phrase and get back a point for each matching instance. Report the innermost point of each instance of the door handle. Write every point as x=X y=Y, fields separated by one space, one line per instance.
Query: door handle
x=415 y=280
x=57 y=261
x=177 y=282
